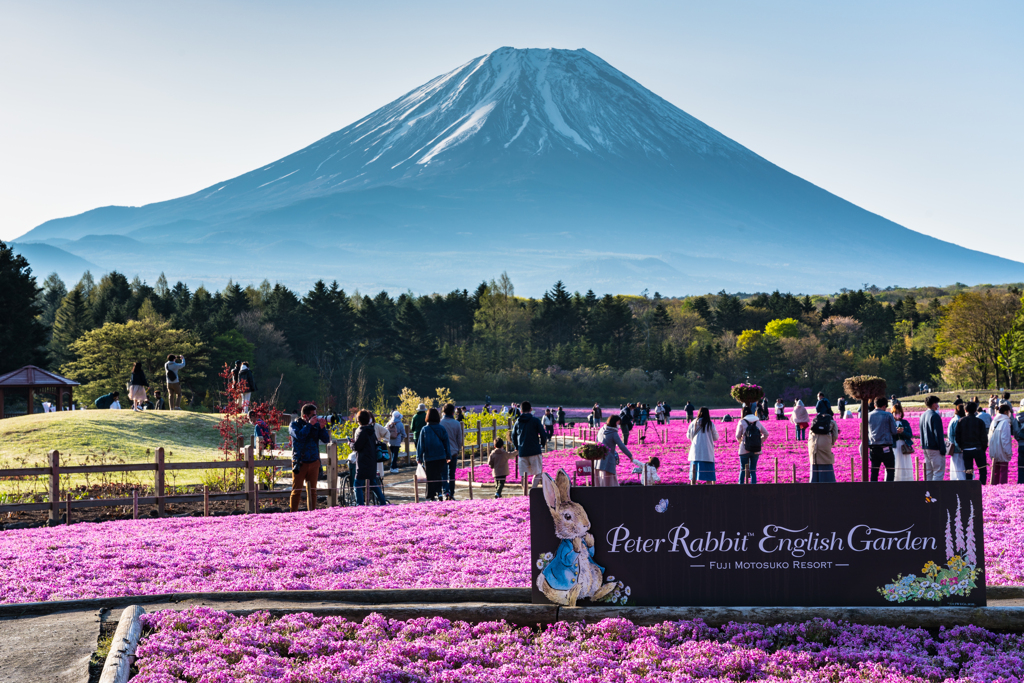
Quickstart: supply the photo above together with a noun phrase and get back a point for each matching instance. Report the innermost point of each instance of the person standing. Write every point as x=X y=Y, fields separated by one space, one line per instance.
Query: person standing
x=561 y=417
x=1000 y=444
x=956 y=456
x=366 y=446
x=702 y=434
x=882 y=434
x=172 y=370
x=750 y=433
x=972 y=437
x=688 y=409
x=307 y=433
x=607 y=467
x=802 y=419
x=137 y=387
x=822 y=406
x=841 y=405
x=246 y=384
x=396 y=436
x=780 y=410
x=626 y=423
x=549 y=423
x=418 y=422
x=433 y=453
x=456 y=440
x=904 y=439
x=597 y=414
x=528 y=437
x=933 y=441
x=659 y=412
x=824 y=434
x=498 y=462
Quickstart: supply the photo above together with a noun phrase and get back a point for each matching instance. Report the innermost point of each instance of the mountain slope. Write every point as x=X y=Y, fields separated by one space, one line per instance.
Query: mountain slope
x=553 y=162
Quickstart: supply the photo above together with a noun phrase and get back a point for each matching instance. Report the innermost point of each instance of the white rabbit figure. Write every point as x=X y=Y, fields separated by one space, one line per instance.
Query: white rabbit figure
x=572 y=573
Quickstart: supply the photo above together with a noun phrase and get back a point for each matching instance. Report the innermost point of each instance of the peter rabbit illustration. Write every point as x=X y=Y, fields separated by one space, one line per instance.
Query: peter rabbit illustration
x=572 y=573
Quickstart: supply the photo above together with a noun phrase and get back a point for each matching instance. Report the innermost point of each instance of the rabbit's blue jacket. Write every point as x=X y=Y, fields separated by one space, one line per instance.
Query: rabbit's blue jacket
x=563 y=572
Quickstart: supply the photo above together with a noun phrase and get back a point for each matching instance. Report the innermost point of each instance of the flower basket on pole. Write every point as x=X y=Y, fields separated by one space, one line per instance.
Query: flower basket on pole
x=747 y=394
x=864 y=388
x=593 y=451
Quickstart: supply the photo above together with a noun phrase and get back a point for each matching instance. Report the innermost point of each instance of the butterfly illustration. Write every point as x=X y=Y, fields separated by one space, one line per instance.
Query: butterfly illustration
x=928 y=498
x=662 y=505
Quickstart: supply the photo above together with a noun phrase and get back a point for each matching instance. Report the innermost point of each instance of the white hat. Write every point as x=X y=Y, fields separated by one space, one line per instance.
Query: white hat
x=396 y=416
x=421 y=406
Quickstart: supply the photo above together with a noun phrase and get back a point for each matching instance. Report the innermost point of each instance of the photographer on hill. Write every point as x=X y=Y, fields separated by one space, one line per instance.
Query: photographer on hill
x=172 y=368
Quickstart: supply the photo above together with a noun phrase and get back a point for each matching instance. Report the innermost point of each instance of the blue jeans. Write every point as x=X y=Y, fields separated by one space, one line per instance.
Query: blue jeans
x=749 y=460
x=375 y=489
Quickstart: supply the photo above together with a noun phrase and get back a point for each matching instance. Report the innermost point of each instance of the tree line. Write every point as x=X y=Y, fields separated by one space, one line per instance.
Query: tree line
x=338 y=348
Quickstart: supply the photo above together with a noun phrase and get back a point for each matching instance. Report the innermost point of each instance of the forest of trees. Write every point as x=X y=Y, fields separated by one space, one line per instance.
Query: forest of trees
x=338 y=347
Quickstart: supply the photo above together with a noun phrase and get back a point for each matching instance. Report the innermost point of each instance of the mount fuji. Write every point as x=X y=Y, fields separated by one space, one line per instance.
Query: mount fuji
x=550 y=164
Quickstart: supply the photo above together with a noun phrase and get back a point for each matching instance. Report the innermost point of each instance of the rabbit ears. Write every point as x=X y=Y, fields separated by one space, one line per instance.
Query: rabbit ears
x=556 y=491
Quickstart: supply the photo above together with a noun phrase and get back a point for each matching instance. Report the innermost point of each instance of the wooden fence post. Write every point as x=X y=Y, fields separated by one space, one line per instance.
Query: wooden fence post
x=408 y=458
x=479 y=442
x=524 y=484
x=415 y=488
x=794 y=473
x=776 y=469
x=471 y=482
x=135 y=503
x=852 y=478
x=54 y=485
x=206 y=500
x=159 y=481
x=250 y=479
x=332 y=475
x=494 y=432
x=67 y=508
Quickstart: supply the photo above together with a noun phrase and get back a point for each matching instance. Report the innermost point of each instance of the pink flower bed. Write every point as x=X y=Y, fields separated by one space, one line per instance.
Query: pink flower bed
x=202 y=644
x=481 y=543
x=672 y=447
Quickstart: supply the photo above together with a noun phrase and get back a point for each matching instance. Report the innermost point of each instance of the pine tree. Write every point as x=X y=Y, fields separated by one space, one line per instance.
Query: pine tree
x=22 y=336
x=50 y=299
x=417 y=354
x=70 y=323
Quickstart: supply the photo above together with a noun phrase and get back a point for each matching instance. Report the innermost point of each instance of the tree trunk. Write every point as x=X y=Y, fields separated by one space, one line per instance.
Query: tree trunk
x=864 y=440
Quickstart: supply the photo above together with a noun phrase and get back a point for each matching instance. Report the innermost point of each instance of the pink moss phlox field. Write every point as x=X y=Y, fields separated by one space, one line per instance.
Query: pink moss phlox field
x=675 y=466
x=202 y=644
x=481 y=543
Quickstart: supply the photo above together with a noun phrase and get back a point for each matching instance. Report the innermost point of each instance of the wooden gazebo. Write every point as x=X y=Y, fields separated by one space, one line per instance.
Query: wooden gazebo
x=35 y=380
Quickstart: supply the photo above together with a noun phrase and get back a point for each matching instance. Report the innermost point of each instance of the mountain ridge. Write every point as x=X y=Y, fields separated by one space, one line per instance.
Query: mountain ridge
x=554 y=146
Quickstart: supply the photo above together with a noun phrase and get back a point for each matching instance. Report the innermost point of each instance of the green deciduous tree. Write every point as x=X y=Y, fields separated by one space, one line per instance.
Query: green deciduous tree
x=785 y=328
x=104 y=356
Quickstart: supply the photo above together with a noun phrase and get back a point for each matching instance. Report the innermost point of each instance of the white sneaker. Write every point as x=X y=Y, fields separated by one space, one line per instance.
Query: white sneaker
x=394 y=470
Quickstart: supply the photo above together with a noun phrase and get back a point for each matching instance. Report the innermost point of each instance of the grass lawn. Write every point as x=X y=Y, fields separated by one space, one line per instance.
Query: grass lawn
x=97 y=437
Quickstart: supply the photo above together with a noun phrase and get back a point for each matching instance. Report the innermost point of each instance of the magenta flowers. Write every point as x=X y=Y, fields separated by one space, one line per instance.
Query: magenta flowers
x=202 y=644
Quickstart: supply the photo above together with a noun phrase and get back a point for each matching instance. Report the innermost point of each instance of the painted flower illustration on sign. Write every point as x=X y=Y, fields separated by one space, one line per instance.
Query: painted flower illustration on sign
x=957 y=577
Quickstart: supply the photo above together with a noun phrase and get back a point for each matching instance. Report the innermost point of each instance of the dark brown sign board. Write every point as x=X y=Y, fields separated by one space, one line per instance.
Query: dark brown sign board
x=888 y=544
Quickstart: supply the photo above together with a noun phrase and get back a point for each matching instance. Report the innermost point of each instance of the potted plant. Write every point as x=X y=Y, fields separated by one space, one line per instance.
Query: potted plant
x=864 y=388
x=591 y=450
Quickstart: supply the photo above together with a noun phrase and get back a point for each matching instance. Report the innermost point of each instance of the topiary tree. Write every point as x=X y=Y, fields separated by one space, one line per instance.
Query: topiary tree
x=864 y=388
x=747 y=394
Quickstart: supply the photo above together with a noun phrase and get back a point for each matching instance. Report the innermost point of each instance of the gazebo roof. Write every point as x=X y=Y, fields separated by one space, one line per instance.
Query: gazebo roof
x=31 y=376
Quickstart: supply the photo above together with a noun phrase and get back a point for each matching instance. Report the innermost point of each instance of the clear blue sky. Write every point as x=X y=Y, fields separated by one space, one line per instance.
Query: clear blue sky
x=912 y=110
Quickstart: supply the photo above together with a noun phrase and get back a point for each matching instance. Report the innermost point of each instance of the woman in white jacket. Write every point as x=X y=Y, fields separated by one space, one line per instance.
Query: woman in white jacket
x=801 y=419
x=702 y=434
x=1000 y=444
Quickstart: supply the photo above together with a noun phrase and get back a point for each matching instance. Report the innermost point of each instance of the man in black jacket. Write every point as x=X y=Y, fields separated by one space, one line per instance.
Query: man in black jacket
x=933 y=441
x=528 y=437
x=972 y=437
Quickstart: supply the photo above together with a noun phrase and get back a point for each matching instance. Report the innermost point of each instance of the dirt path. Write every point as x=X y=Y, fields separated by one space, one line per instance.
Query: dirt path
x=55 y=647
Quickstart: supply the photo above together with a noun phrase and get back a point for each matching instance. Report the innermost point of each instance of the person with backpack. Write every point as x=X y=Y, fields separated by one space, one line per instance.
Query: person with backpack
x=822 y=406
x=107 y=401
x=607 y=467
x=702 y=434
x=1000 y=444
x=688 y=409
x=801 y=419
x=396 y=436
x=261 y=433
x=433 y=453
x=498 y=462
x=246 y=384
x=824 y=434
x=172 y=370
x=137 y=387
x=750 y=433
x=933 y=441
x=972 y=437
x=528 y=437
x=307 y=433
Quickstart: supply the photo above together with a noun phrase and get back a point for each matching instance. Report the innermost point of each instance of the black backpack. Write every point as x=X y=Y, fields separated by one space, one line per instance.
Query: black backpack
x=752 y=438
x=822 y=424
x=172 y=376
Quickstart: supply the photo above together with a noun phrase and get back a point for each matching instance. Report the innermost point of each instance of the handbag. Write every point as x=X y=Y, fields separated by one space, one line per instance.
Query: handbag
x=906 y=448
x=383 y=454
x=421 y=472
